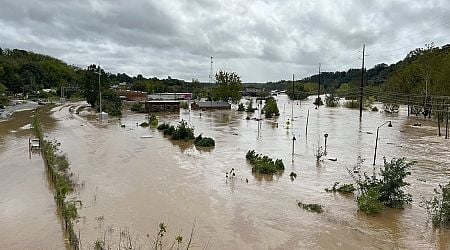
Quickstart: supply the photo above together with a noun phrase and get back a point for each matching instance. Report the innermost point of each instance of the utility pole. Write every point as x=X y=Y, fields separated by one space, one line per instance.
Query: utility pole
x=293 y=98
x=100 y=92
x=210 y=72
x=362 y=84
x=318 y=90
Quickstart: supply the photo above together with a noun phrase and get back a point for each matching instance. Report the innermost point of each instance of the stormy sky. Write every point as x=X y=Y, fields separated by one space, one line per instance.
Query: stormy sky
x=262 y=40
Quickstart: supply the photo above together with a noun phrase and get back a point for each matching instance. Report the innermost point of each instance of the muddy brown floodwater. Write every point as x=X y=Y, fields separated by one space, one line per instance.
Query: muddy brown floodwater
x=133 y=183
x=28 y=215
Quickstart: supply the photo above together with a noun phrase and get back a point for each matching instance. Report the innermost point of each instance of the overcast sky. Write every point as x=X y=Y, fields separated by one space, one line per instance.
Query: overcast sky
x=264 y=40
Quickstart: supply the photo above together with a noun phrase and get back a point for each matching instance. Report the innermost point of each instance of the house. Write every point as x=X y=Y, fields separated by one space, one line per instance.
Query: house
x=162 y=106
x=130 y=95
x=210 y=105
x=170 y=96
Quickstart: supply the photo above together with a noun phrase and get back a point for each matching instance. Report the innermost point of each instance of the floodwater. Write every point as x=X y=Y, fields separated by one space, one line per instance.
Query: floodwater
x=28 y=214
x=132 y=183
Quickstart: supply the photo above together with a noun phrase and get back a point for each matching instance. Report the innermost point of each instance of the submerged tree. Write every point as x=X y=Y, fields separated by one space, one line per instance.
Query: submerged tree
x=229 y=86
x=270 y=107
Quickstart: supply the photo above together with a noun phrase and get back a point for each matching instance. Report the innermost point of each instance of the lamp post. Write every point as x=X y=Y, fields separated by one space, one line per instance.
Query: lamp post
x=326 y=136
x=376 y=141
x=293 y=143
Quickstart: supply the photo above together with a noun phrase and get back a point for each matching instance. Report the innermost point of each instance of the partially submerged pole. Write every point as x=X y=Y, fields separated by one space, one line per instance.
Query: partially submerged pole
x=362 y=84
x=293 y=143
x=307 y=121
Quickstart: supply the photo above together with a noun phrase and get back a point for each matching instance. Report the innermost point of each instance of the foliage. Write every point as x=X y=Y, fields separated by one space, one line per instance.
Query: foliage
x=183 y=132
x=392 y=182
x=369 y=202
x=136 y=107
x=317 y=208
x=300 y=90
x=270 y=107
x=374 y=109
x=331 y=100
x=318 y=101
x=153 y=120
x=387 y=187
x=438 y=207
x=24 y=71
x=91 y=84
x=4 y=100
x=241 y=107
x=263 y=164
x=169 y=131
x=344 y=188
x=184 y=105
x=352 y=104
x=111 y=103
x=163 y=126
x=144 y=124
x=62 y=183
x=229 y=86
x=204 y=141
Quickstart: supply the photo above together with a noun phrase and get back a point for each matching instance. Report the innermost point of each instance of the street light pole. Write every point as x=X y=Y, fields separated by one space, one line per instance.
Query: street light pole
x=293 y=143
x=376 y=141
x=326 y=137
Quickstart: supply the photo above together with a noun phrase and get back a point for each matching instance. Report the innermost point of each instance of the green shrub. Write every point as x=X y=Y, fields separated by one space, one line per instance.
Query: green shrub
x=169 y=131
x=241 y=107
x=263 y=164
x=311 y=207
x=153 y=120
x=332 y=100
x=163 y=126
x=392 y=181
x=318 y=101
x=136 y=107
x=344 y=189
x=183 y=132
x=374 y=109
x=438 y=207
x=369 y=202
x=204 y=141
x=386 y=188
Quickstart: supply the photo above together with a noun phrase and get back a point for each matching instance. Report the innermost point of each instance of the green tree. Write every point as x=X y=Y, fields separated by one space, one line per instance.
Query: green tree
x=270 y=107
x=111 y=103
x=229 y=86
x=91 y=85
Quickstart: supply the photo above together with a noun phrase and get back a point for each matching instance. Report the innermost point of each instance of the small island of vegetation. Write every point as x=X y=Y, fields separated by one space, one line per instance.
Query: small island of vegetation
x=263 y=164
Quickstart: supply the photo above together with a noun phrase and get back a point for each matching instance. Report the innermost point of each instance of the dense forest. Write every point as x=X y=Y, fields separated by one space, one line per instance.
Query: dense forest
x=422 y=71
x=26 y=72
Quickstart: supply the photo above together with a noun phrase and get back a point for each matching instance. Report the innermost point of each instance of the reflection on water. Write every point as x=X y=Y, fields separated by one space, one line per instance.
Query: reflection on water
x=135 y=183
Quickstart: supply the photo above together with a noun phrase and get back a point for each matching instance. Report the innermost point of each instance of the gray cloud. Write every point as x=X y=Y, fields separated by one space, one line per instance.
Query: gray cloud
x=261 y=40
